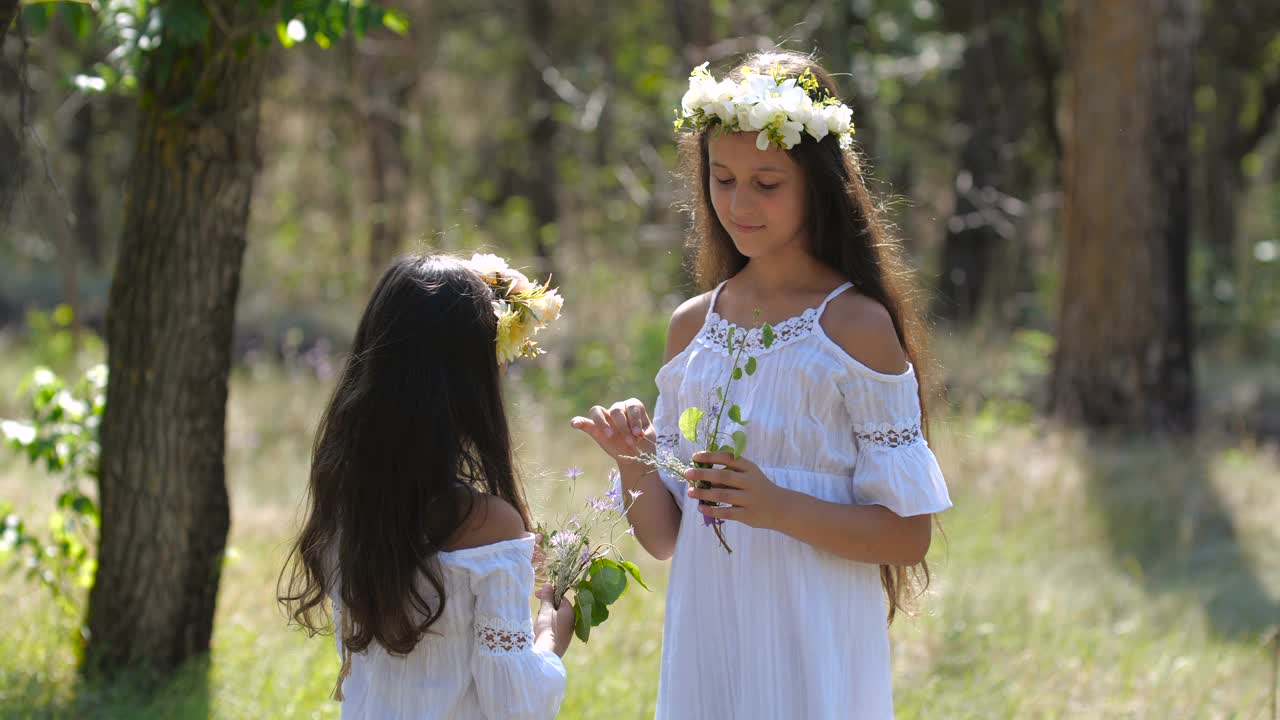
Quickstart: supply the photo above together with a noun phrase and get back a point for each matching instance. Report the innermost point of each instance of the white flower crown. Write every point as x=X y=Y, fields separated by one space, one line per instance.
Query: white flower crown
x=522 y=306
x=775 y=106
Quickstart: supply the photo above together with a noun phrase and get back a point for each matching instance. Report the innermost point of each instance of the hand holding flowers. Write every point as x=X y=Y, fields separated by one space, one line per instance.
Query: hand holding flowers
x=581 y=556
x=703 y=427
x=740 y=491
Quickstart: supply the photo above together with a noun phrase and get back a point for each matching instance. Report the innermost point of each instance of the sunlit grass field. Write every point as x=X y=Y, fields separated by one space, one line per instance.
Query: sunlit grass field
x=1074 y=578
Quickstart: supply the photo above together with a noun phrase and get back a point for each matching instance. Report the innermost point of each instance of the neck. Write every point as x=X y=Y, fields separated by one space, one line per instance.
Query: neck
x=789 y=268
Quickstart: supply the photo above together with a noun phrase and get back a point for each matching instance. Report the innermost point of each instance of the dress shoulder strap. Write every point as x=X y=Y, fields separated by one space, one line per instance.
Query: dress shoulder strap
x=714 y=295
x=831 y=296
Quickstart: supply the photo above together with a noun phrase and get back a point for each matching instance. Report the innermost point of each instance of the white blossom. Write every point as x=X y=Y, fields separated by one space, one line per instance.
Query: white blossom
x=779 y=112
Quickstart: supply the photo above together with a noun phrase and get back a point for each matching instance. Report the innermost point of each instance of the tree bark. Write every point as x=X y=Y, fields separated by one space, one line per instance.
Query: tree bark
x=1003 y=94
x=973 y=233
x=1124 y=341
x=1224 y=183
x=11 y=170
x=1237 y=40
x=165 y=511
x=84 y=196
x=541 y=177
x=8 y=11
x=388 y=93
x=693 y=20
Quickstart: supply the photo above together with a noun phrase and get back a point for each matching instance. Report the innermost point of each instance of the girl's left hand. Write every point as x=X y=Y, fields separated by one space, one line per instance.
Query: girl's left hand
x=752 y=497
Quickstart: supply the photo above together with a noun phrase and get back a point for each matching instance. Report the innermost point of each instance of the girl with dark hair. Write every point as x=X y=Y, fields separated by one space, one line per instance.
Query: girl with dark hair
x=828 y=513
x=416 y=529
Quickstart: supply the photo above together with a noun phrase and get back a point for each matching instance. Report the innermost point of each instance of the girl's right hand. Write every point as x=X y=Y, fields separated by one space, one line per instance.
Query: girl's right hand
x=553 y=627
x=622 y=430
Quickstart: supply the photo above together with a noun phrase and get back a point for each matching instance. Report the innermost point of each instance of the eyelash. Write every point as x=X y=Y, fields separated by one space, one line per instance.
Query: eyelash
x=762 y=186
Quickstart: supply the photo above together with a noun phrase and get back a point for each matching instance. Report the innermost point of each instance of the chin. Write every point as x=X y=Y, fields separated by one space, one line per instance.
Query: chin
x=755 y=247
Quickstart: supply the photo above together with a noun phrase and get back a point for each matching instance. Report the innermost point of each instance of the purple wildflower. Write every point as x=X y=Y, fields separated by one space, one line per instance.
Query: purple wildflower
x=614 y=498
x=573 y=473
x=564 y=537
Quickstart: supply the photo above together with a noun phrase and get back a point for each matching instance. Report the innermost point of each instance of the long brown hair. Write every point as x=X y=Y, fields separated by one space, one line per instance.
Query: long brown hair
x=414 y=431
x=846 y=231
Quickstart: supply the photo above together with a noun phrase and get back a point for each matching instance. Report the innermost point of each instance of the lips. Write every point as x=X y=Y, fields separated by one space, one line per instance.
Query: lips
x=746 y=228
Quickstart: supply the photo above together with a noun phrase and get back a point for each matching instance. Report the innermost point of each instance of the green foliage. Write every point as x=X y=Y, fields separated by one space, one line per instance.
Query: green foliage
x=60 y=434
x=1030 y=612
x=1011 y=390
x=690 y=419
x=604 y=584
x=1243 y=309
x=52 y=339
x=603 y=367
x=137 y=29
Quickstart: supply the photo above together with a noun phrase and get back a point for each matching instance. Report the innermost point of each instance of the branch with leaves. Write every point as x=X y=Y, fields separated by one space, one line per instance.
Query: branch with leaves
x=702 y=427
x=575 y=557
x=62 y=435
x=138 y=28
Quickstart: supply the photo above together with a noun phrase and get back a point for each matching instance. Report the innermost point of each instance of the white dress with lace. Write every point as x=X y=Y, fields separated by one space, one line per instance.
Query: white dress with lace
x=781 y=629
x=477 y=660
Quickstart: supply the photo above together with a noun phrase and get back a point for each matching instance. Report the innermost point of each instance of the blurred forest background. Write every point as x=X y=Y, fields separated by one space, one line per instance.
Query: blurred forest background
x=1089 y=188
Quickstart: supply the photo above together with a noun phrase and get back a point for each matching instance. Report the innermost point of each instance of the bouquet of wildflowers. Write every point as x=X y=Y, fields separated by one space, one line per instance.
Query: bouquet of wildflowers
x=523 y=307
x=703 y=427
x=581 y=556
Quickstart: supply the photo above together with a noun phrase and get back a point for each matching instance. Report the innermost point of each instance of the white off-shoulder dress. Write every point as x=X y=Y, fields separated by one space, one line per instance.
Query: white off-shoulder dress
x=781 y=629
x=476 y=662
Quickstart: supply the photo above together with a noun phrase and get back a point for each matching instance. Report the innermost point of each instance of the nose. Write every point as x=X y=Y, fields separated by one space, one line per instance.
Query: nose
x=740 y=204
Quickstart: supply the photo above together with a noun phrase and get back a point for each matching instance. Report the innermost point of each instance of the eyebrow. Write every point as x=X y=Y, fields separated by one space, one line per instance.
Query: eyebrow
x=762 y=168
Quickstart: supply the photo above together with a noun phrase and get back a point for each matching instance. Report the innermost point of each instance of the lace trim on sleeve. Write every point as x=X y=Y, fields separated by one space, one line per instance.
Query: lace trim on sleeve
x=890 y=435
x=498 y=636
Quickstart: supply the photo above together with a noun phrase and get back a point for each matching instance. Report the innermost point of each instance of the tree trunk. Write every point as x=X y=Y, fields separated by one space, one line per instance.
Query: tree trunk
x=388 y=176
x=541 y=177
x=165 y=511
x=693 y=20
x=1224 y=184
x=984 y=269
x=1237 y=41
x=973 y=233
x=8 y=11
x=605 y=42
x=846 y=42
x=84 y=196
x=1124 y=341
x=388 y=93
x=11 y=170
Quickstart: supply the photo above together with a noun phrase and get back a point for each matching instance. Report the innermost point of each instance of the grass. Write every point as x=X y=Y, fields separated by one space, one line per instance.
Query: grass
x=1077 y=577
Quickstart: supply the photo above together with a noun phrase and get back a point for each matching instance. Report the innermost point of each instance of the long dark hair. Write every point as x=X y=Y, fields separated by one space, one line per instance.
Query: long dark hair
x=414 y=431
x=846 y=232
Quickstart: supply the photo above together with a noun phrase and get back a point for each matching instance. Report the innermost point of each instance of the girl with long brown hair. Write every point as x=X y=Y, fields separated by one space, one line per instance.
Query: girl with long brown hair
x=828 y=512
x=416 y=535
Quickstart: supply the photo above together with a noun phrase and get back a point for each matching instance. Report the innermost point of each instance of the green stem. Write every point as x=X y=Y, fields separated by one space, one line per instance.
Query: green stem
x=715 y=434
x=724 y=400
